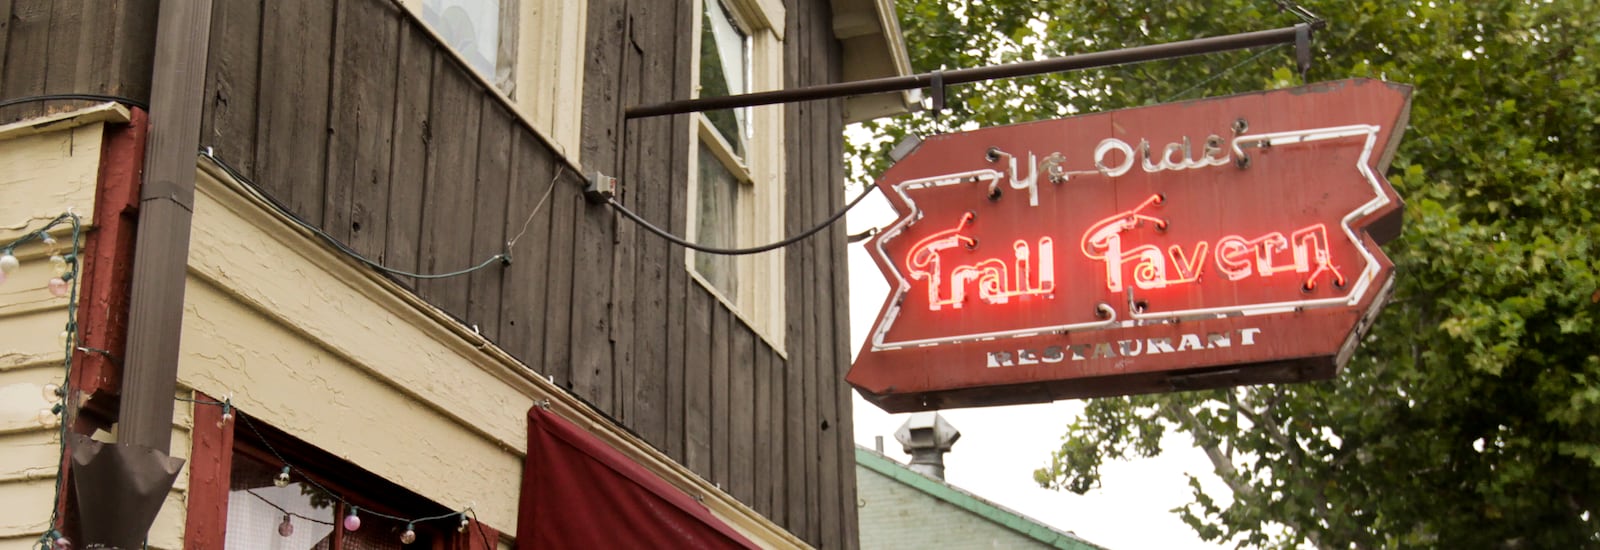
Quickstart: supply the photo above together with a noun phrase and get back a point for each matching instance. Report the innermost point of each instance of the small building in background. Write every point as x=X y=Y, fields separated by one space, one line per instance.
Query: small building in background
x=911 y=506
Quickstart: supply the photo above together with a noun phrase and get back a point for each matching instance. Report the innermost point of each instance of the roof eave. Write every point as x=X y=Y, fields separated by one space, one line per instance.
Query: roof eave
x=873 y=47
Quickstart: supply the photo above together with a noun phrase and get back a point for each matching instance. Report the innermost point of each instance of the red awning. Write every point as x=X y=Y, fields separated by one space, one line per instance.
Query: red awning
x=578 y=492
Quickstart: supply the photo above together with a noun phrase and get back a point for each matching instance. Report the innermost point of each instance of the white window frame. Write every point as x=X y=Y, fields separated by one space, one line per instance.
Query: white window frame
x=759 y=278
x=545 y=47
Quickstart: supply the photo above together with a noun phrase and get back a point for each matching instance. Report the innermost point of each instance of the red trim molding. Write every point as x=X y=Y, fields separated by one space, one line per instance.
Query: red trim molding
x=210 y=467
x=107 y=261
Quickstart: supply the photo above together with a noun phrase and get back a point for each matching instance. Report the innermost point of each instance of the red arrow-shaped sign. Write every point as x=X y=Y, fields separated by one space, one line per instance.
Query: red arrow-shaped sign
x=1203 y=244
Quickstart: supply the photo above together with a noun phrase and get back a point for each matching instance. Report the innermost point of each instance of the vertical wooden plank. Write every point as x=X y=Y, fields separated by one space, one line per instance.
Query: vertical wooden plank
x=809 y=296
x=413 y=130
x=27 y=43
x=841 y=332
x=228 y=125
x=448 y=193
x=761 y=434
x=776 y=435
x=5 y=34
x=522 y=319
x=361 y=124
x=565 y=203
x=721 y=348
x=602 y=82
x=741 y=411
x=697 y=382
x=484 y=303
x=770 y=434
x=823 y=133
x=591 y=301
x=593 y=232
x=624 y=256
x=677 y=276
x=296 y=37
x=62 y=51
x=650 y=158
x=798 y=424
x=134 y=36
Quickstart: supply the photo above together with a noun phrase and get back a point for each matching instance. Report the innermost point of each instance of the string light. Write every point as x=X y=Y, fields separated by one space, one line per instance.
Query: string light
x=283 y=478
x=410 y=535
x=352 y=521
x=62 y=285
x=286 y=529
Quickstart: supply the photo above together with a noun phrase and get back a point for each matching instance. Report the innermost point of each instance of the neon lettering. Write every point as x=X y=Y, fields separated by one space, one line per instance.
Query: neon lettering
x=1239 y=258
x=1173 y=157
x=1103 y=241
x=1304 y=251
x=996 y=281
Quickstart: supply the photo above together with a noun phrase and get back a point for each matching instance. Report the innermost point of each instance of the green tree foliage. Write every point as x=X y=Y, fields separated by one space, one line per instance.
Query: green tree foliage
x=1470 y=417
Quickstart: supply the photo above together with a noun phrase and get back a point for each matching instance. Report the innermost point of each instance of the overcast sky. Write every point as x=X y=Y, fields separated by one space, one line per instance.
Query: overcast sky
x=1001 y=446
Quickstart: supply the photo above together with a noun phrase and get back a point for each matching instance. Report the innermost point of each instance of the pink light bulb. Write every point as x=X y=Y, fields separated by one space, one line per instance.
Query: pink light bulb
x=286 y=529
x=61 y=543
x=58 y=287
x=352 y=521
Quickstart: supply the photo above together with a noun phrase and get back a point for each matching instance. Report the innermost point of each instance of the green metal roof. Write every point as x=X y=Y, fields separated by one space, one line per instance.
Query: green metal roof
x=969 y=502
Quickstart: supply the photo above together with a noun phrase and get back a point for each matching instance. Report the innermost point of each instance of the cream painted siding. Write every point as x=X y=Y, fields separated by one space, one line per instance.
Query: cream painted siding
x=47 y=166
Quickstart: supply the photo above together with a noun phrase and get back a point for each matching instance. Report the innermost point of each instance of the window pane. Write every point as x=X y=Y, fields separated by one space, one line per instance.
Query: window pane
x=716 y=223
x=725 y=70
x=470 y=27
x=257 y=510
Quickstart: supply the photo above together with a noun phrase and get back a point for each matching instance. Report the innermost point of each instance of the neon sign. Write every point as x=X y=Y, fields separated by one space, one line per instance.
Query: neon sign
x=1190 y=223
x=994 y=286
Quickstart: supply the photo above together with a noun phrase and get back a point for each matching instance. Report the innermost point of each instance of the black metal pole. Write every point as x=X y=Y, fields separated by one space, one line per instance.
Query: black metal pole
x=1198 y=46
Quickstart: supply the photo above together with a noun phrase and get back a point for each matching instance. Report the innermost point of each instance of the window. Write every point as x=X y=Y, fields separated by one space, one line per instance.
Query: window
x=530 y=50
x=737 y=161
x=303 y=515
x=477 y=30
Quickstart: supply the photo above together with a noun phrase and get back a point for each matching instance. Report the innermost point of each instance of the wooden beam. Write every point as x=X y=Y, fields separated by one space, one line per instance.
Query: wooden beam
x=183 y=30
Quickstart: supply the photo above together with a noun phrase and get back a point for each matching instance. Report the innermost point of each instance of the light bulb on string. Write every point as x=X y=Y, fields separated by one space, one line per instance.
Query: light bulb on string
x=59 y=287
x=58 y=542
x=286 y=529
x=64 y=338
x=46 y=418
x=58 y=264
x=49 y=242
x=409 y=536
x=462 y=528
x=8 y=263
x=283 y=481
x=352 y=521
x=52 y=392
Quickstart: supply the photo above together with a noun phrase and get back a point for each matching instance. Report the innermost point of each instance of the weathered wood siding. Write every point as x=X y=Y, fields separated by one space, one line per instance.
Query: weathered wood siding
x=74 y=46
x=352 y=116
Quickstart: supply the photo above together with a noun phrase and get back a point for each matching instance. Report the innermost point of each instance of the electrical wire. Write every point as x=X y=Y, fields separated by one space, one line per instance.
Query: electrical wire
x=1220 y=74
x=503 y=257
x=740 y=251
x=284 y=511
x=81 y=97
